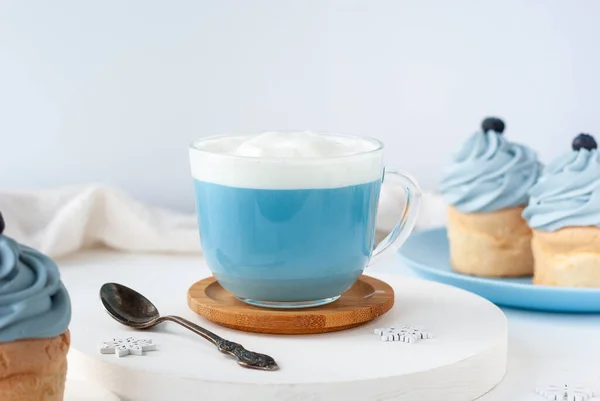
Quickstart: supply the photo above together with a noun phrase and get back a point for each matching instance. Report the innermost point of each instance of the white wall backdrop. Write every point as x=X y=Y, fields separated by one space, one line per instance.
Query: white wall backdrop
x=113 y=91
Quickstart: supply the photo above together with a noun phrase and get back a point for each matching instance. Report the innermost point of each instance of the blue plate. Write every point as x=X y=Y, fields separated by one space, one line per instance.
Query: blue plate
x=426 y=252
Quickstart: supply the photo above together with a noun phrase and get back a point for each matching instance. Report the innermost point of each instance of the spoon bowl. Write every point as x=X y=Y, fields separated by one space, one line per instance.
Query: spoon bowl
x=128 y=306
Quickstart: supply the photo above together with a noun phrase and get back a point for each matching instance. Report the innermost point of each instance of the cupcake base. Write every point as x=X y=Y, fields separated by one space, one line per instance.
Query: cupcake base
x=491 y=244
x=569 y=257
x=34 y=369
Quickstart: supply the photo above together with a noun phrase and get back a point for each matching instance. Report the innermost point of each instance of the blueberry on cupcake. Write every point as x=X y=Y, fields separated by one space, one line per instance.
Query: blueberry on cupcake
x=486 y=189
x=564 y=214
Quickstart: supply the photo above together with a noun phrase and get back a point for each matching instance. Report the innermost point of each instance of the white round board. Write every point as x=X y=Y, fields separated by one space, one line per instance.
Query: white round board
x=465 y=358
x=80 y=390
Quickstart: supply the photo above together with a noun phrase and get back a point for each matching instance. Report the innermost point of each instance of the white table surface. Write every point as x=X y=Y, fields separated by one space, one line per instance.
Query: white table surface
x=544 y=348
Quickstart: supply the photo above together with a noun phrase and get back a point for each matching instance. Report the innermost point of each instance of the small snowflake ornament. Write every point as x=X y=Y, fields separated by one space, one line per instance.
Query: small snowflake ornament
x=405 y=334
x=565 y=392
x=126 y=346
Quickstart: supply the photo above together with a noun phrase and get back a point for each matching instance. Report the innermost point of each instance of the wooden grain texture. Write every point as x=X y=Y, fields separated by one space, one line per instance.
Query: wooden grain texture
x=367 y=299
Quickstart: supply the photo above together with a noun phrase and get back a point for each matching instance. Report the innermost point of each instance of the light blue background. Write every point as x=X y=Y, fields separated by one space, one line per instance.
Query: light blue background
x=113 y=91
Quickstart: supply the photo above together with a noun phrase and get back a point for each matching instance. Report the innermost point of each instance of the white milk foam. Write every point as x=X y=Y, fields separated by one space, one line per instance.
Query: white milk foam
x=300 y=145
x=287 y=160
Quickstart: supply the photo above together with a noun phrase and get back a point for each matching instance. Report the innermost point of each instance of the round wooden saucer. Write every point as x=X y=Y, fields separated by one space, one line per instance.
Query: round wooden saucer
x=367 y=299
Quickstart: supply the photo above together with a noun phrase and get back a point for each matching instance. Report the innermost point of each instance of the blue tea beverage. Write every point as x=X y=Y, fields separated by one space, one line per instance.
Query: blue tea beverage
x=287 y=219
x=289 y=245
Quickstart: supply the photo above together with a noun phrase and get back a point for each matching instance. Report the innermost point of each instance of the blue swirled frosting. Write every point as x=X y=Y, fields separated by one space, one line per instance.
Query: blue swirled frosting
x=489 y=173
x=567 y=194
x=33 y=301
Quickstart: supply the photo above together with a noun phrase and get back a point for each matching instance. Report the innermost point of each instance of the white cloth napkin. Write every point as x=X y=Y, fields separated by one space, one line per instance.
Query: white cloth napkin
x=61 y=221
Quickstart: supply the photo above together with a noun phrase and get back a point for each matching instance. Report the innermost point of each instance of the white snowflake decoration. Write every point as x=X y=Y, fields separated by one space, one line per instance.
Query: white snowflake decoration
x=126 y=346
x=406 y=334
x=565 y=392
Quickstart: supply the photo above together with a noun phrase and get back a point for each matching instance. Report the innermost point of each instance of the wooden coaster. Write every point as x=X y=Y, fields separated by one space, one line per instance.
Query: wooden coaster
x=367 y=299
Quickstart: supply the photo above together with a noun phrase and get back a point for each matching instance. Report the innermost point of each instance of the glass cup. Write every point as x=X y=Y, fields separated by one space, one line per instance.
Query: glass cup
x=293 y=232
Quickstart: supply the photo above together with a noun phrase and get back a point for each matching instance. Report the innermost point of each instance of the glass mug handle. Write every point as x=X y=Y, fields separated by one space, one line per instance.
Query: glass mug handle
x=408 y=220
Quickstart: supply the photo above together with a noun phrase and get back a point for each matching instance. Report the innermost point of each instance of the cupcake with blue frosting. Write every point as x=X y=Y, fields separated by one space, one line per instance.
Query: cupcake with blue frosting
x=564 y=214
x=35 y=312
x=486 y=189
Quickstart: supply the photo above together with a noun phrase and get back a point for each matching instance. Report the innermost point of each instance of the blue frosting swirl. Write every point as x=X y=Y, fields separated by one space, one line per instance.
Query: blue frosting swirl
x=33 y=301
x=567 y=194
x=489 y=173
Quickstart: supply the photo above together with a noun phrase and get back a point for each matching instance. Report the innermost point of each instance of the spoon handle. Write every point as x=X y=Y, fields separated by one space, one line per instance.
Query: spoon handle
x=245 y=358
x=201 y=331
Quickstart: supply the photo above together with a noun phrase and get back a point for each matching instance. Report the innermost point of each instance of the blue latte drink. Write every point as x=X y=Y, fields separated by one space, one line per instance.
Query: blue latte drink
x=287 y=219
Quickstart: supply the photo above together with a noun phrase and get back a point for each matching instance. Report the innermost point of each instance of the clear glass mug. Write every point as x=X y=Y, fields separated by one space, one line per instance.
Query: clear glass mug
x=293 y=233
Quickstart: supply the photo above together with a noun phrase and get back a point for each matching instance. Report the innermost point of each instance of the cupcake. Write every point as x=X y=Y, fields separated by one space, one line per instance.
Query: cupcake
x=486 y=189
x=34 y=315
x=564 y=214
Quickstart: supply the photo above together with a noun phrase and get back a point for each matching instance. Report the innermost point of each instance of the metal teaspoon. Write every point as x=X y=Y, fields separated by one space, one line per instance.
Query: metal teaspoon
x=132 y=309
